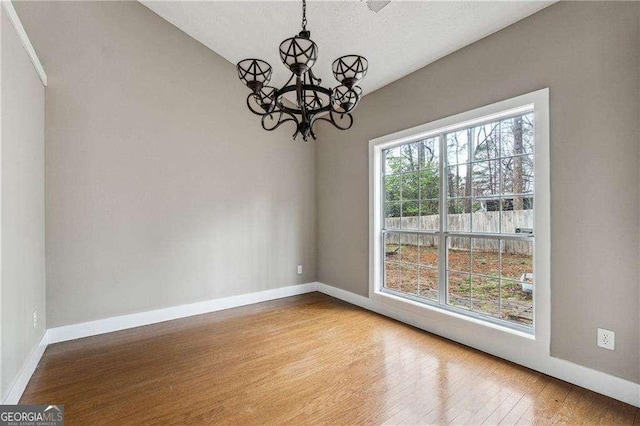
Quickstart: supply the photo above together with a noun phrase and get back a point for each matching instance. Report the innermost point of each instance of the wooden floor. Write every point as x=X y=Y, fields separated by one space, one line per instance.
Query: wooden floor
x=301 y=360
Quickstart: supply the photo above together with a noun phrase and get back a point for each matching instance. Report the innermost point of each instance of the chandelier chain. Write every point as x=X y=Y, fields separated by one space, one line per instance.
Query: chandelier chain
x=304 y=15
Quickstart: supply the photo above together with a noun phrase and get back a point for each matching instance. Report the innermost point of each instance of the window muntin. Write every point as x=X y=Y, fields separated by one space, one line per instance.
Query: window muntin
x=485 y=190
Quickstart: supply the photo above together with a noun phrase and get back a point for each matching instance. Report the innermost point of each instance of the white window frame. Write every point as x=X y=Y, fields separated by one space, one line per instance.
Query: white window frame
x=539 y=101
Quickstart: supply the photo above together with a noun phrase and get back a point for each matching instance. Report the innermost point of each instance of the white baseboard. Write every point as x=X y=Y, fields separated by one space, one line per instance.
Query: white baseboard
x=20 y=383
x=108 y=325
x=597 y=381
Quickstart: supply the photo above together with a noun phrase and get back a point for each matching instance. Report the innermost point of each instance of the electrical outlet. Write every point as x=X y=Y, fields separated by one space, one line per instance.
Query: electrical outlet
x=35 y=319
x=606 y=339
x=299 y=269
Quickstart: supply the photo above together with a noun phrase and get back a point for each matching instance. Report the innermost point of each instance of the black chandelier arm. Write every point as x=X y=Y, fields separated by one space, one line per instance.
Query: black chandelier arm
x=336 y=123
x=256 y=112
x=312 y=77
x=280 y=111
x=279 y=121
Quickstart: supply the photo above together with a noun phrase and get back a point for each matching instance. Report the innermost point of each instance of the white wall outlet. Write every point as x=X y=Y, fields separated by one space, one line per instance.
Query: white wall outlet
x=35 y=319
x=299 y=269
x=606 y=339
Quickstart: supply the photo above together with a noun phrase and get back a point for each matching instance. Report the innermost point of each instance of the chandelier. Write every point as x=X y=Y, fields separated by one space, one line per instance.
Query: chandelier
x=313 y=102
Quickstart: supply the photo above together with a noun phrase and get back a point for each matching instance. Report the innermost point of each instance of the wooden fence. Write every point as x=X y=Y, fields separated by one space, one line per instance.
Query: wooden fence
x=488 y=222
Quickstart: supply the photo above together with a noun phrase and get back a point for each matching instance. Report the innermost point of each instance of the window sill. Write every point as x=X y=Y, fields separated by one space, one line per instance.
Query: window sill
x=411 y=306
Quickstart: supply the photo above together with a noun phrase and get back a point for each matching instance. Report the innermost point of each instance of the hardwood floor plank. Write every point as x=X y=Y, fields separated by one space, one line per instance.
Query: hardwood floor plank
x=524 y=391
x=307 y=359
x=617 y=413
x=580 y=405
x=546 y=404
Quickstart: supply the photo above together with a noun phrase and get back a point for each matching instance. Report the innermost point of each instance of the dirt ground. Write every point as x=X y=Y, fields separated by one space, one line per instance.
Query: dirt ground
x=474 y=279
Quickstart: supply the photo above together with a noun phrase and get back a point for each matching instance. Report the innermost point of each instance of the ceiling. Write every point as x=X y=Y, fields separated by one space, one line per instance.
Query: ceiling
x=403 y=37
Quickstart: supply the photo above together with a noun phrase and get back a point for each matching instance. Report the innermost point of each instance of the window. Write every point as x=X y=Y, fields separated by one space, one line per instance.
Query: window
x=456 y=213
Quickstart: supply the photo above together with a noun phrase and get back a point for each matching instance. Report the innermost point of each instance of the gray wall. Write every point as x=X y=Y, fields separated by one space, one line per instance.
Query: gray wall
x=161 y=187
x=22 y=200
x=587 y=54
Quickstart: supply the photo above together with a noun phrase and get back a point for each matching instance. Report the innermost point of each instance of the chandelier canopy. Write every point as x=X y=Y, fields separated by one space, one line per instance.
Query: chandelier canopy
x=313 y=102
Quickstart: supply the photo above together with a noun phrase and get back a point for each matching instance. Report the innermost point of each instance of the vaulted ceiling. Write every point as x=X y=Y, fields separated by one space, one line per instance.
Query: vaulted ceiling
x=401 y=38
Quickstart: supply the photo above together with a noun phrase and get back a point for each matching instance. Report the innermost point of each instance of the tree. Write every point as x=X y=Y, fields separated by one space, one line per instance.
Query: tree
x=484 y=162
x=411 y=179
x=517 y=164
